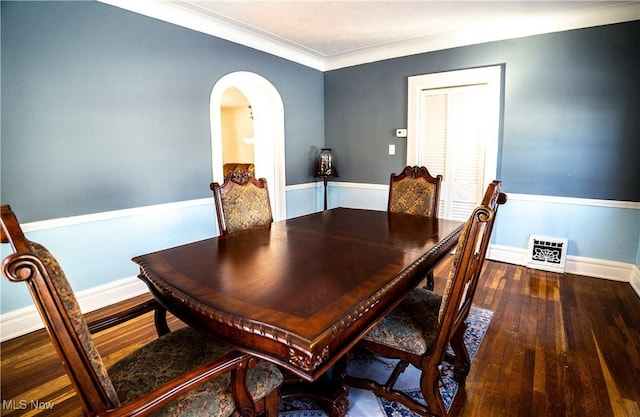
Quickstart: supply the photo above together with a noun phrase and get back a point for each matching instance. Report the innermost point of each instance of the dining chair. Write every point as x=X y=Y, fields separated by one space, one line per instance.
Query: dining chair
x=184 y=372
x=415 y=191
x=423 y=325
x=493 y=198
x=242 y=202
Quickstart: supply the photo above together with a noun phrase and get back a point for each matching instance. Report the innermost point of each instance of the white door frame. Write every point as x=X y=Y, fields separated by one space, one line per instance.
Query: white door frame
x=491 y=76
x=268 y=126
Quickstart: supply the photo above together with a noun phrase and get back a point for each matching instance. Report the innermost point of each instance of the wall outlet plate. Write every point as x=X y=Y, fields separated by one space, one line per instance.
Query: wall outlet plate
x=401 y=133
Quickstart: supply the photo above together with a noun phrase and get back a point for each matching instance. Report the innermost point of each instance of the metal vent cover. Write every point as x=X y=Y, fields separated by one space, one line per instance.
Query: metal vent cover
x=547 y=253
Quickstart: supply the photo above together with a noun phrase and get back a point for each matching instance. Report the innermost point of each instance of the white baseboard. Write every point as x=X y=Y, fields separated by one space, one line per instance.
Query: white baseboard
x=599 y=268
x=590 y=267
x=26 y=320
x=635 y=280
x=507 y=254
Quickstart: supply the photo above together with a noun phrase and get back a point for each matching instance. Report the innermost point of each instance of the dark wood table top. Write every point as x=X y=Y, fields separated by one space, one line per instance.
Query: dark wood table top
x=299 y=292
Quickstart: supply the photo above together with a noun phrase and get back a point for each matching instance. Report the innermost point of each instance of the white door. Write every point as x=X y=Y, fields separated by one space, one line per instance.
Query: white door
x=453 y=131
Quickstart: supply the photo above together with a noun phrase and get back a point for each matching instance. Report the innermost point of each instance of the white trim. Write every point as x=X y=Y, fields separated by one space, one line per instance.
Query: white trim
x=26 y=320
x=359 y=185
x=600 y=268
x=590 y=267
x=111 y=215
x=507 y=254
x=611 y=13
x=190 y=16
x=141 y=211
x=268 y=120
x=491 y=77
x=191 y=19
x=304 y=186
x=635 y=279
x=574 y=201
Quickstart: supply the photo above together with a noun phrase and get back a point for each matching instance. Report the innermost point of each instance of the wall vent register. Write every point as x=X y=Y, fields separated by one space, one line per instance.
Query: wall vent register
x=547 y=254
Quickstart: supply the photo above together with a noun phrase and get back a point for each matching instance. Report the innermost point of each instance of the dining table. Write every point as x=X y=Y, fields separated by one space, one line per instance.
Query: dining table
x=300 y=292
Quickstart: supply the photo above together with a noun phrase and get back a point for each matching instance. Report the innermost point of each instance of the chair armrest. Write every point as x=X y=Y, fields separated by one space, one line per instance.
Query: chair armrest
x=236 y=362
x=102 y=322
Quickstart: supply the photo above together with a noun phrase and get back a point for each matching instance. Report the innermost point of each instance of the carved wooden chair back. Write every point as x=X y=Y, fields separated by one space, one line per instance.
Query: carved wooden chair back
x=414 y=191
x=60 y=312
x=493 y=198
x=421 y=328
x=135 y=385
x=229 y=167
x=242 y=202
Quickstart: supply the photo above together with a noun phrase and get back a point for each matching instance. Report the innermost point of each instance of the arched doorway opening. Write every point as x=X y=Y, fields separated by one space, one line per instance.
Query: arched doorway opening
x=237 y=131
x=268 y=123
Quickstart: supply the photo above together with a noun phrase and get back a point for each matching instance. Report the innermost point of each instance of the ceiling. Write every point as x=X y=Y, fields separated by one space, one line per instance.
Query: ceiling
x=333 y=34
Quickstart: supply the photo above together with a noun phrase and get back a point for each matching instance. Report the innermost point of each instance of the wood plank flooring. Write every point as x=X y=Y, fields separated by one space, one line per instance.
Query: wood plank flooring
x=558 y=345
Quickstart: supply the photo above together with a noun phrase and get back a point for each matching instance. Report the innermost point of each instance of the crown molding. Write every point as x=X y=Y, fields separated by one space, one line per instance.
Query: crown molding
x=603 y=14
x=173 y=13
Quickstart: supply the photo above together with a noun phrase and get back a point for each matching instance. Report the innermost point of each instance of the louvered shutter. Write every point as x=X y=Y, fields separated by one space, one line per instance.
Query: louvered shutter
x=451 y=142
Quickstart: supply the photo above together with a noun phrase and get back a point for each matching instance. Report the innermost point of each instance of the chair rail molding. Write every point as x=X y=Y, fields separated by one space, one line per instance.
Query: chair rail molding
x=575 y=201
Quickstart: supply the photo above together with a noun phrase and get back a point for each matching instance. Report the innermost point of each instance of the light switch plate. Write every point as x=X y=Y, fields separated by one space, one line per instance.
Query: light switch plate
x=392 y=149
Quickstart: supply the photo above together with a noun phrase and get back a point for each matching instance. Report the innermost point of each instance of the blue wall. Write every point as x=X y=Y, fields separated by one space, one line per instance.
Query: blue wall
x=570 y=125
x=105 y=109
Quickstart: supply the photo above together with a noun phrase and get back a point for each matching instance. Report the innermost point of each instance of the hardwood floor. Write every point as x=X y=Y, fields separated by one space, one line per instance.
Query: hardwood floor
x=558 y=345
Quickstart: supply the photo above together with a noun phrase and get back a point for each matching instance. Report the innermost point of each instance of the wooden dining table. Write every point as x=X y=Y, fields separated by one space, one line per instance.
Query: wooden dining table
x=303 y=291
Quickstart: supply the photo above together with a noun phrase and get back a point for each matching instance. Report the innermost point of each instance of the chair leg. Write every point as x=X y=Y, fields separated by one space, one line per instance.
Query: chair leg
x=430 y=391
x=429 y=278
x=272 y=403
x=461 y=360
x=387 y=391
x=399 y=369
x=245 y=406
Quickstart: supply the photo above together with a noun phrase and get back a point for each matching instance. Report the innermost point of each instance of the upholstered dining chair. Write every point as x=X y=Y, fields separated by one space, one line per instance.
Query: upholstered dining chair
x=184 y=372
x=242 y=202
x=415 y=191
x=424 y=324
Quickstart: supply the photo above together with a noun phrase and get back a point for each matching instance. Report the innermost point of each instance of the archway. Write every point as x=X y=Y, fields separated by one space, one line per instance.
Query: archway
x=268 y=119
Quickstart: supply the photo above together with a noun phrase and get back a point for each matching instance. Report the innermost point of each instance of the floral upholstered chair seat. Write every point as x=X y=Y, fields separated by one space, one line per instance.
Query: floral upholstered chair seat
x=176 y=353
x=412 y=325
